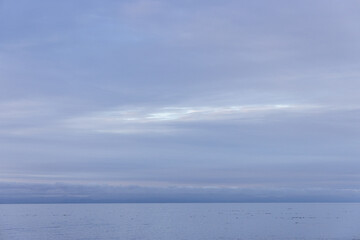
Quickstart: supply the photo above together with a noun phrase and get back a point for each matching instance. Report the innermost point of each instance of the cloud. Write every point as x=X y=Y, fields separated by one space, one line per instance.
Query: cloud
x=178 y=93
x=139 y=119
x=55 y=193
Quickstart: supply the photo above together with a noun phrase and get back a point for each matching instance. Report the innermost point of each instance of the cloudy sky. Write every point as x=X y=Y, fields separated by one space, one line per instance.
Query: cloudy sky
x=256 y=97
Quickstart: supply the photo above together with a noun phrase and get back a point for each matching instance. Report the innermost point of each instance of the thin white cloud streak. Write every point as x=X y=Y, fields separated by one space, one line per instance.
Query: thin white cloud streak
x=29 y=117
x=164 y=119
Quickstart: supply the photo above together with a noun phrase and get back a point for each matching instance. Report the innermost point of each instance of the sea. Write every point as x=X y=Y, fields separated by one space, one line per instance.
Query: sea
x=180 y=221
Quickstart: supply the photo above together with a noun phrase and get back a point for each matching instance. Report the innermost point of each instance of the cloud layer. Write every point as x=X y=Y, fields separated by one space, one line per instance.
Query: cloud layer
x=160 y=94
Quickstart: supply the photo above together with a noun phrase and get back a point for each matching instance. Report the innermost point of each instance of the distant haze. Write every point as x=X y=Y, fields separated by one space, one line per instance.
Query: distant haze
x=156 y=101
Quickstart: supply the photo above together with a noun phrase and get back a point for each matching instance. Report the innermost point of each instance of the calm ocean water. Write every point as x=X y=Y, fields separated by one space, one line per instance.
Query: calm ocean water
x=180 y=221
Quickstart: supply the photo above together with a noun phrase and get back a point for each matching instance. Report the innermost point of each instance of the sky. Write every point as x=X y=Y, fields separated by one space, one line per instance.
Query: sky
x=154 y=100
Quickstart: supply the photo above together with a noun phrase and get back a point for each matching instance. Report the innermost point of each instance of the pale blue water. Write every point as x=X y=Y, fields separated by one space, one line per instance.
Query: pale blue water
x=179 y=221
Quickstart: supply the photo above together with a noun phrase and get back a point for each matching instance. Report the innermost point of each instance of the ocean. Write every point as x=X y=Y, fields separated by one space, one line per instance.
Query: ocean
x=175 y=221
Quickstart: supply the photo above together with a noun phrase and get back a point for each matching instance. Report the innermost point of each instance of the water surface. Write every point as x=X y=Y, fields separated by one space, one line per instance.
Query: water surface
x=240 y=221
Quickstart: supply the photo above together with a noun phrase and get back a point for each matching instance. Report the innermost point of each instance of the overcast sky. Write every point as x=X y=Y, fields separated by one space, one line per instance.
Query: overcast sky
x=260 y=96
